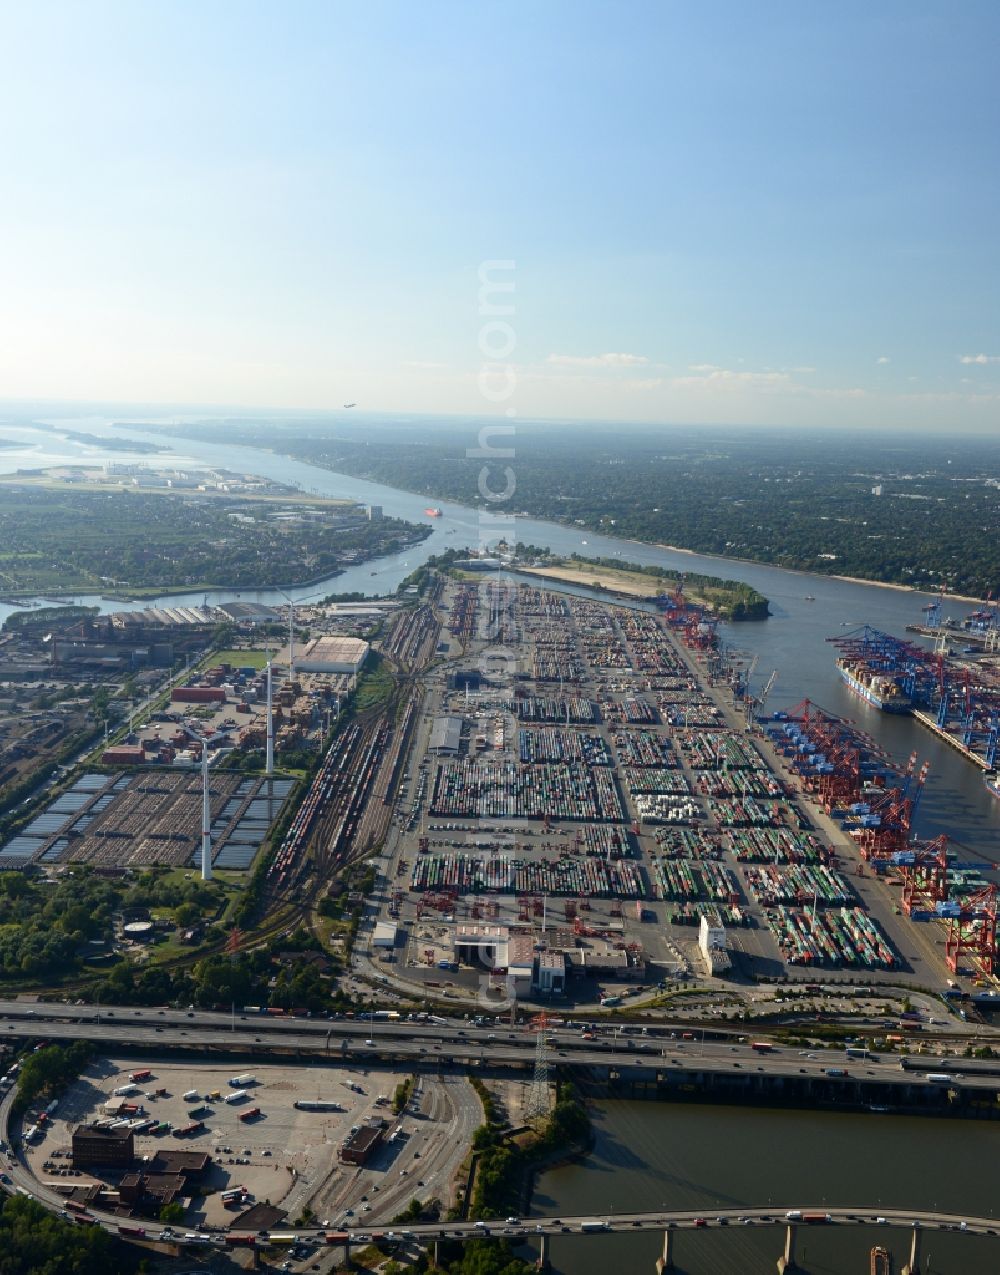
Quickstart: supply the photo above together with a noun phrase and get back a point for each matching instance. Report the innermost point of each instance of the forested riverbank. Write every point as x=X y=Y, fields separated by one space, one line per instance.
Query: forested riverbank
x=890 y=509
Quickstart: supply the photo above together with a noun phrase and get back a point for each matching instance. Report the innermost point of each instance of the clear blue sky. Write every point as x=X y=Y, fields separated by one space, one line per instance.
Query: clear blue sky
x=771 y=212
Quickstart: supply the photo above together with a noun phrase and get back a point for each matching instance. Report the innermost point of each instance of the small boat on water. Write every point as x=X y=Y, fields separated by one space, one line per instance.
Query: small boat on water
x=881 y=1261
x=809 y=598
x=992 y=782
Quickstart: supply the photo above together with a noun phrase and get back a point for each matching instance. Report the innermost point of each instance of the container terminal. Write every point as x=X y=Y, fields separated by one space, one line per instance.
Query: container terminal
x=957 y=699
x=600 y=815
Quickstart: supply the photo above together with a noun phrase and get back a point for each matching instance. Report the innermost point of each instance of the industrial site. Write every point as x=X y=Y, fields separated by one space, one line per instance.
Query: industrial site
x=532 y=838
x=607 y=814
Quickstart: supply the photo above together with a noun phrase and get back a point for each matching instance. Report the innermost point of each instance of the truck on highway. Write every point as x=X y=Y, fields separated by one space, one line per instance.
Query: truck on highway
x=590 y=1227
x=940 y=1078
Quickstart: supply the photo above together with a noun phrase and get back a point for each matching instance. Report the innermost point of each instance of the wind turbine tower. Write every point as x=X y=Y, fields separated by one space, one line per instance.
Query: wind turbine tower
x=270 y=725
x=206 y=817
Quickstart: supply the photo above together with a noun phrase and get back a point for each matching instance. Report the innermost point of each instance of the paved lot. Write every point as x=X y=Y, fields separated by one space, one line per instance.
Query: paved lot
x=670 y=948
x=288 y=1157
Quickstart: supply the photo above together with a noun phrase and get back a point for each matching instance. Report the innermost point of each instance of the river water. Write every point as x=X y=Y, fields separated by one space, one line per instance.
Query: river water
x=649 y=1155
x=793 y=640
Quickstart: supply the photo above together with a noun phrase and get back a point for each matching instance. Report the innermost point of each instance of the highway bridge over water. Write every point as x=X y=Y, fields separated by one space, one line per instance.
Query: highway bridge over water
x=370 y=1042
x=659 y=1053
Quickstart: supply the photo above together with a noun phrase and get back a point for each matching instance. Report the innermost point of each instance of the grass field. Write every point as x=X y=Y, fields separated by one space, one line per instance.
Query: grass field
x=241 y=659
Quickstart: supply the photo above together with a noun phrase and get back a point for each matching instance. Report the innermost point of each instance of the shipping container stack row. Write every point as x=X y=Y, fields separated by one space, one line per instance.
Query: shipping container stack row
x=771 y=885
x=738 y=783
x=699 y=879
x=498 y=790
x=643 y=748
x=578 y=711
x=688 y=843
x=581 y=877
x=774 y=845
x=553 y=744
x=648 y=779
x=837 y=937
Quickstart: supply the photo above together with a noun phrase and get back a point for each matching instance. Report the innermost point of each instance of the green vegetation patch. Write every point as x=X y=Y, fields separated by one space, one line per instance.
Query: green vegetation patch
x=137 y=543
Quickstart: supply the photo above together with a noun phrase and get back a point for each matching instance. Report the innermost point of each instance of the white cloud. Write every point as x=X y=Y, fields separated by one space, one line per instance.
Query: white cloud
x=979 y=358
x=725 y=378
x=881 y=359
x=598 y=360
x=425 y=366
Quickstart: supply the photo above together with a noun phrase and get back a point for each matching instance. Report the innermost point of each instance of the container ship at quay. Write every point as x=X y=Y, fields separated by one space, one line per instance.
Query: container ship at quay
x=878 y=689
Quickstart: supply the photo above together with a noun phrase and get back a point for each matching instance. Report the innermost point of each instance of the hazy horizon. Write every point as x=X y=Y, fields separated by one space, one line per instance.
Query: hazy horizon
x=782 y=216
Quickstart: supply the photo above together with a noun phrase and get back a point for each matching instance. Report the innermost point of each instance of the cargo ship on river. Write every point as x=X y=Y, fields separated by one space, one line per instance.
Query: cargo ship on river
x=878 y=689
x=433 y=512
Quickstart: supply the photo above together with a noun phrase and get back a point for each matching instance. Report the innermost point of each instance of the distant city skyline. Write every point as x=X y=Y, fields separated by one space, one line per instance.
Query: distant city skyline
x=719 y=214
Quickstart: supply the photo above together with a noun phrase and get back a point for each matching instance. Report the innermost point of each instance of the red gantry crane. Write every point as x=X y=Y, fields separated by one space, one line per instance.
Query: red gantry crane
x=971 y=942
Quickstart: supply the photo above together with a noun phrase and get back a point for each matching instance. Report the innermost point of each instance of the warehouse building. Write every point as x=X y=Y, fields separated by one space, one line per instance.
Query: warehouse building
x=385 y=934
x=360 y=1145
x=332 y=653
x=446 y=735
x=550 y=977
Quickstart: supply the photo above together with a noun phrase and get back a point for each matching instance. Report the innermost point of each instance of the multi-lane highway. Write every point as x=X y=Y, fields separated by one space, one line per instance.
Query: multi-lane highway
x=372 y=1040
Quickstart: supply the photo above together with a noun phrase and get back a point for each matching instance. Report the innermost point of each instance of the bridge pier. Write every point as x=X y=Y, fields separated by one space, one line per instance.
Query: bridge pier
x=787 y=1260
x=543 y=1254
x=912 y=1267
x=437 y=1252
x=666 y=1262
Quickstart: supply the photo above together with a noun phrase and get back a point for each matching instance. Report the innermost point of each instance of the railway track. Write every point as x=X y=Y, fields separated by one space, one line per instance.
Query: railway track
x=346 y=812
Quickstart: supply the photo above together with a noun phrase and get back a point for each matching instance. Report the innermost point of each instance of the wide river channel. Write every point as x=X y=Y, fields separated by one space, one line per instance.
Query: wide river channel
x=649 y=1155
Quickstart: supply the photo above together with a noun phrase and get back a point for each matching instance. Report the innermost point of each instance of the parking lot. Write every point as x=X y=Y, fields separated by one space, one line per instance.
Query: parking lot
x=287 y=1156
